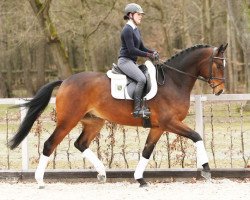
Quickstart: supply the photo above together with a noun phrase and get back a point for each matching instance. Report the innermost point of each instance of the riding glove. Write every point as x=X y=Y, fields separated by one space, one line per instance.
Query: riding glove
x=153 y=56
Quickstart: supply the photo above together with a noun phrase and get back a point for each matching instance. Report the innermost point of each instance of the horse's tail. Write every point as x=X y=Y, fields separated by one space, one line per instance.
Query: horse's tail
x=35 y=107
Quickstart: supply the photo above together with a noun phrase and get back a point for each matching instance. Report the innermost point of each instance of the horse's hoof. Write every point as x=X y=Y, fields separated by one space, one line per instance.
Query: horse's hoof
x=101 y=178
x=143 y=185
x=142 y=182
x=206 y=175
x=41 y=185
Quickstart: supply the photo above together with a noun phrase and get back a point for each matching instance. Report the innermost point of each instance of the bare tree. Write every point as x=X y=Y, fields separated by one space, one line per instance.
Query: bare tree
x=3 y=85
x=60 y=56
x=84 y=35
x=239 y=16
x=87 y=18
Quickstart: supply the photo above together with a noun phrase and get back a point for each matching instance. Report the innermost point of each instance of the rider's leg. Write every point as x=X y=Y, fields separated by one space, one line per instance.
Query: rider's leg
x=128 y=67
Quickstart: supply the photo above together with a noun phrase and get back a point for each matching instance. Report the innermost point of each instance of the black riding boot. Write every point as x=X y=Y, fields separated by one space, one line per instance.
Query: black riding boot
x=137 y=108
x=138 y=112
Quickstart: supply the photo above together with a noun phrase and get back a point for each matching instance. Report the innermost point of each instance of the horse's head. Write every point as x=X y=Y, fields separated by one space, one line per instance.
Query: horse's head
x=215 y=72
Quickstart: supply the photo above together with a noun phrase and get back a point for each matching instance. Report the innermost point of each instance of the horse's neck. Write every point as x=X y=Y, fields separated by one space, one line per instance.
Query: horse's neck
x=184 y=83
x=188 y=65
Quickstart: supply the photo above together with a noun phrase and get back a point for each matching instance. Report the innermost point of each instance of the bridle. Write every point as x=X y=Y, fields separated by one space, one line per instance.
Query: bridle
x=208 y=80
x=222 y=80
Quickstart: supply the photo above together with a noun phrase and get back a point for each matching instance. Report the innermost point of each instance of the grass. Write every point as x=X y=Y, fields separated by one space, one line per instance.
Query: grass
x=227 y=141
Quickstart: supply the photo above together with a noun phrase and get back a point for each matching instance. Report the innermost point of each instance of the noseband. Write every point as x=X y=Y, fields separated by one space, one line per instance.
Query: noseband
x=207 y=80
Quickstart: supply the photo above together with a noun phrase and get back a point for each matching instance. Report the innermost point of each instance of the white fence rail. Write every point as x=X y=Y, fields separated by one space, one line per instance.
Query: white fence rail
x=199 y=99
x=198 y=110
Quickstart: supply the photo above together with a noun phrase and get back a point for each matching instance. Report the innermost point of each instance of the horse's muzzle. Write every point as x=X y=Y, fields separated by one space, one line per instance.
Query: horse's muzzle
x=219 y=92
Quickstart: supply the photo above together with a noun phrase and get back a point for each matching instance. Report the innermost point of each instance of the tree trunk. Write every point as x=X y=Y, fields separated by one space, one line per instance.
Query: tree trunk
x=60 y=57
x=239 y=15
x=206 y=21
x=3 y=87
x=229 y=69
x=86 y=54
x=186 y=34
x=40 y=60
x=26 y=65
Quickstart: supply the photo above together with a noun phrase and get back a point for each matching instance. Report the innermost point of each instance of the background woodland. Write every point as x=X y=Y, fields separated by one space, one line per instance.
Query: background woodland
x=46 y=40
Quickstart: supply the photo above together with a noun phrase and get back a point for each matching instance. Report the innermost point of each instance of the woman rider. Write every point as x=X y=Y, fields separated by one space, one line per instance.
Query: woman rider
x=132 y=47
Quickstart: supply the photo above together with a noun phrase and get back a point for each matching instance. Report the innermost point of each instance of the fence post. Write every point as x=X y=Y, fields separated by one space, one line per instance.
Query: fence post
x=199 y=118
x=25 y=155
x=199 y=115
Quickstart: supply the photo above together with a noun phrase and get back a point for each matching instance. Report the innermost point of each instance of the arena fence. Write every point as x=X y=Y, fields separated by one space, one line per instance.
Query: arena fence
x=223 y=122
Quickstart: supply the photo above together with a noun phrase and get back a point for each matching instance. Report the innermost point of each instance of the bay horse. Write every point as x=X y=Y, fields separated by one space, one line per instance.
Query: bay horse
x=86 y=98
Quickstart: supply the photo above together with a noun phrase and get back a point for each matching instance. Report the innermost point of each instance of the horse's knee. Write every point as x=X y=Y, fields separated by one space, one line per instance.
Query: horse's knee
x=147 y=151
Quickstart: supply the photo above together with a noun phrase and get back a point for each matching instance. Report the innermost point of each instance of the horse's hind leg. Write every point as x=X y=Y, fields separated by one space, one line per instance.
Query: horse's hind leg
x=153 y=137
x=91 y=127
x=62 y=129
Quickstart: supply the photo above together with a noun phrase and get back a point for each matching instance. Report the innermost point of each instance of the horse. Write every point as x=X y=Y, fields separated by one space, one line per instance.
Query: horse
x=86 y=98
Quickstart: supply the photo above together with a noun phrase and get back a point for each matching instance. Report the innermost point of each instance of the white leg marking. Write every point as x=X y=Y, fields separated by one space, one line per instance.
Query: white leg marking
x=140 y=168
x=39 y=174
x=100 y=168
x=201 y=154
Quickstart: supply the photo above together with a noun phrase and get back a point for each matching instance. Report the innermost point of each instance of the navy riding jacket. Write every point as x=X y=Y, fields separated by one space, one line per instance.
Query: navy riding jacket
x=132 y=45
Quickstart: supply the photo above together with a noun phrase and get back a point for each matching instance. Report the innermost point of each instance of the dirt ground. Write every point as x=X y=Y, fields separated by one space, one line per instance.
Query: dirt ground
x=217 y=189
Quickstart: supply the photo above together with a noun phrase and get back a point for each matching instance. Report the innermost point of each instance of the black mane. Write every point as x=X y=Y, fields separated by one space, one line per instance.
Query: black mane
x=181 y=54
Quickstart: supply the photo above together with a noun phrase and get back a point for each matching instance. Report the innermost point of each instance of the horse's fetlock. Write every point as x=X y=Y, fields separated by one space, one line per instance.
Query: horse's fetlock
x=47 y=148
x=195 y=137
x=206 y=167
x=80 y=147
x=76 y=144
x=147 y=151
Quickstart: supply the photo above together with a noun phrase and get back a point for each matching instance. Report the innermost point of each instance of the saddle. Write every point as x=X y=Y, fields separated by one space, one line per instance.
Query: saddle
x=123 y=87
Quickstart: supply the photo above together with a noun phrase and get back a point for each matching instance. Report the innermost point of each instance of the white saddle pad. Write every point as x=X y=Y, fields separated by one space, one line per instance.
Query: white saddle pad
x=119 y=82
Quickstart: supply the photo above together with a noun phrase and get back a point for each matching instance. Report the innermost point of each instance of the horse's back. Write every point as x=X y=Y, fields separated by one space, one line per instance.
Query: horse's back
x=83 y=87
x=84 y=81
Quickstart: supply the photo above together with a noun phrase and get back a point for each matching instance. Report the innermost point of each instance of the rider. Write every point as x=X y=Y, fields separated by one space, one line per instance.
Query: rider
x=132 y=47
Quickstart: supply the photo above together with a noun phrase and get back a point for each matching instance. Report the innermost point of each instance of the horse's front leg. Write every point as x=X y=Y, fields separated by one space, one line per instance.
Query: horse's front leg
x=202 y=159
x=153 y=137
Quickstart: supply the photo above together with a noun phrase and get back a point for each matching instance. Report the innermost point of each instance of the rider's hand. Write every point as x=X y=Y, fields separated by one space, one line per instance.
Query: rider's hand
x=154 y=56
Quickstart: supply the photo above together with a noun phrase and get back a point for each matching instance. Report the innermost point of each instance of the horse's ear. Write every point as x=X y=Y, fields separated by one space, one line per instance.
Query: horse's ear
x=225 y=47
x=221 y=48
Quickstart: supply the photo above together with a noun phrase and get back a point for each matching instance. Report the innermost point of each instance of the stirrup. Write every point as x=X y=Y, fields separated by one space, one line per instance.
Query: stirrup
x=144 y=113
x=137 y=113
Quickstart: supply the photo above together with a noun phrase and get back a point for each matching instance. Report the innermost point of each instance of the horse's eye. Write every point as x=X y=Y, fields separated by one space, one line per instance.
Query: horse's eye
x=220 y=66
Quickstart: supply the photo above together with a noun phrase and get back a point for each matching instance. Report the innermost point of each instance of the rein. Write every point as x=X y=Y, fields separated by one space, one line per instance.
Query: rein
x=162 y=64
